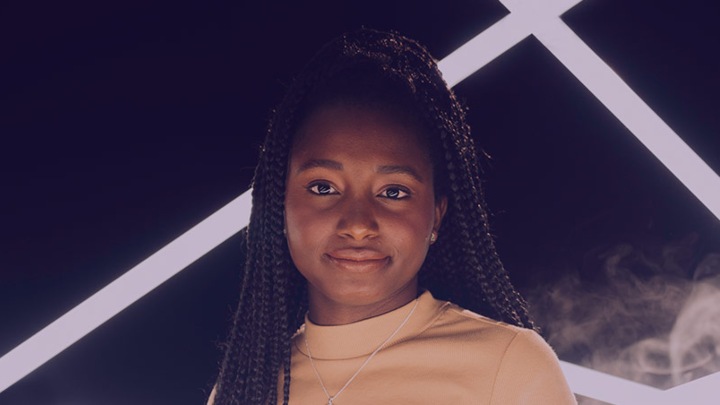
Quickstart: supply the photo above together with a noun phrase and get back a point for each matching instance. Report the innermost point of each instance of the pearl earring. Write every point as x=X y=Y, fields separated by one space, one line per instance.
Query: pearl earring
x=433 y=237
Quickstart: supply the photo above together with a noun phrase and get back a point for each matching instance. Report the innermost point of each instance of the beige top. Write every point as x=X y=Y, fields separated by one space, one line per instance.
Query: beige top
x=443 y=355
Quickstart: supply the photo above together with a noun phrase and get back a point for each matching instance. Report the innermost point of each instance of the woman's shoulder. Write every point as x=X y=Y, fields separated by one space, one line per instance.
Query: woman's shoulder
x=519 y=356
x=464 y=321
x=464 y=327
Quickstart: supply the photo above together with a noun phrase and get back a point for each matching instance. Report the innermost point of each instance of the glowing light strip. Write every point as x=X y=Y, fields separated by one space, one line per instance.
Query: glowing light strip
x=527 y=17
x=615 y=390
x=482 y=49
x=123 y=291
x=632 y=111
x=703 y=391
x=498 y=38
x=542 y=19
x=608 y=388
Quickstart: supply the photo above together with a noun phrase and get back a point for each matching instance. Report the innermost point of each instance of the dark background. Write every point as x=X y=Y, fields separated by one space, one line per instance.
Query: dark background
x=124 y=123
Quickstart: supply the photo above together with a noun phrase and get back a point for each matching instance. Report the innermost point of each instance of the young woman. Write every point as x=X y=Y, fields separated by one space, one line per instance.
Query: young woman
x=370 y=274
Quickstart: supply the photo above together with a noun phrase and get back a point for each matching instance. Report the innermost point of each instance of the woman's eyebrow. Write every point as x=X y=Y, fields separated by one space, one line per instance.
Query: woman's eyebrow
x=391 y=169
x=313 y=163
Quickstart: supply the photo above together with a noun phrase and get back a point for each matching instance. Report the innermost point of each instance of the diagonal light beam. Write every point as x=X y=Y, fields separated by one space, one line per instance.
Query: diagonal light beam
x=123 y=291
x=483 y=49
x=541 y=18
x=498 y=39
x=703 y=391
x=608 y=388
x=632 y=111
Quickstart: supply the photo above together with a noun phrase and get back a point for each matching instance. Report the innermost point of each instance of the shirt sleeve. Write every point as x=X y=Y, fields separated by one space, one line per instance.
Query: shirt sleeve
x=530 y=374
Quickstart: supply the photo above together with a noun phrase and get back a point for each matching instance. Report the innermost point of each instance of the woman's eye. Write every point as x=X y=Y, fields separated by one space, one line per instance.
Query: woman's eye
x=322 y=189
x=395 y=193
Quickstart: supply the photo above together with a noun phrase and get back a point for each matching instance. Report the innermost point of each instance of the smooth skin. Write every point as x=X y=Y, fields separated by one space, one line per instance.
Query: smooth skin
x=359 y=211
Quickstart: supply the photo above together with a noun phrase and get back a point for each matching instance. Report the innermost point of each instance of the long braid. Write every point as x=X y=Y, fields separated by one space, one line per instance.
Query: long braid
x=462 y=266
x=467 y=243
x=259 y=343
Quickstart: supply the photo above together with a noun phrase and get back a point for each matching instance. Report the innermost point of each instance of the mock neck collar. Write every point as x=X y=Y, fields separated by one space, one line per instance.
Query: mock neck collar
x=363 y=337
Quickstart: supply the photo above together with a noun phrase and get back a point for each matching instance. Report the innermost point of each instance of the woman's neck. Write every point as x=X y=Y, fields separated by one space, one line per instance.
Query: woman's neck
x=327 y=312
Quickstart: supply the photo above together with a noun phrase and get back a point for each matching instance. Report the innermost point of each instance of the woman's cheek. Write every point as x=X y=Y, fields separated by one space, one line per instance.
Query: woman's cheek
x=305 y=225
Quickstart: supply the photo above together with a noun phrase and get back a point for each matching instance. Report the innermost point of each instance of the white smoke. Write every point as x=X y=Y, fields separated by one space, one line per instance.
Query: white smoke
x=649 y=318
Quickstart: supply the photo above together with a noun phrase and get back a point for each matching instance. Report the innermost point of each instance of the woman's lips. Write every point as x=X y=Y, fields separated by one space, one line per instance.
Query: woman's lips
x=358 y=260
x=357 y=254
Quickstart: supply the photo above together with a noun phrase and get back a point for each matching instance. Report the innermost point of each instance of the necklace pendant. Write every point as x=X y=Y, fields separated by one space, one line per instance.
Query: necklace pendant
x=330 y=401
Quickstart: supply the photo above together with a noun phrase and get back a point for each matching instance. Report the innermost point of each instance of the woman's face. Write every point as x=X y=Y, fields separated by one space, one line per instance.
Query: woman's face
x=359 y=209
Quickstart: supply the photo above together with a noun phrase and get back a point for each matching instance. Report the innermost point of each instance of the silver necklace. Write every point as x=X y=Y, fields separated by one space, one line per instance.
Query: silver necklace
x=331 y=398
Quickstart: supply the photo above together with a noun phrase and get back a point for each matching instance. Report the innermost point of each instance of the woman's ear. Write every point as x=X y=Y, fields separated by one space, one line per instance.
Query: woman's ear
x=440 y=210
x=284 y=224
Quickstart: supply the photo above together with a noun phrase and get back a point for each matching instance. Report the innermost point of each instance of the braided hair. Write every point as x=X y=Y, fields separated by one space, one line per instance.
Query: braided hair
x=462 y=266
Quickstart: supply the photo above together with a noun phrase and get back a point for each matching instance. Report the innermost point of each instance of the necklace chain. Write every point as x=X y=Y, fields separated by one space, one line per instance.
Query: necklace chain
x=331 y=398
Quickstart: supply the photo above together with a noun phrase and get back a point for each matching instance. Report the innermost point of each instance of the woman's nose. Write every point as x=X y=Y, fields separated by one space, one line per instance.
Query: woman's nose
x=358 y=220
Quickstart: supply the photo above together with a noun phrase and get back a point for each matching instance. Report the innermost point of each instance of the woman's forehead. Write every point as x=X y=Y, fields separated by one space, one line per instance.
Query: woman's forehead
x=338 y=129
x=360 y=123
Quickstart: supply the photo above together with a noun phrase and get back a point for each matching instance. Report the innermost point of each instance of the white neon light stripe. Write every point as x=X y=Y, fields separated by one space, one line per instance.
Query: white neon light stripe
x=542 y=19
x=498 y=38
x=608 y=388
x=618 y=391
x=123 y=291
x=703 y=391
x=482 y=49
x=632 y=111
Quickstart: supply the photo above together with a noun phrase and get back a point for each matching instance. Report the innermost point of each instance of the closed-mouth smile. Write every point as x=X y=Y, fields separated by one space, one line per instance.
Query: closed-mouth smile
x=358 y=260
